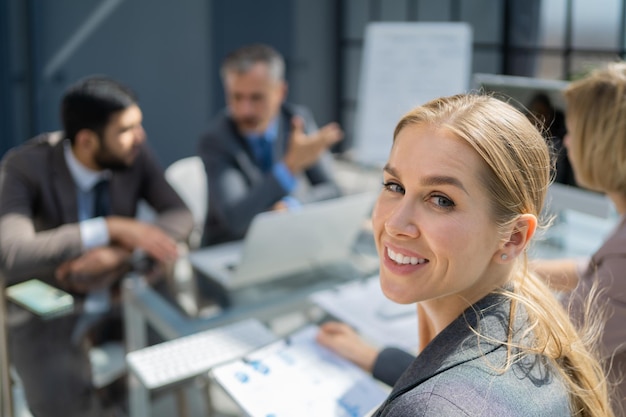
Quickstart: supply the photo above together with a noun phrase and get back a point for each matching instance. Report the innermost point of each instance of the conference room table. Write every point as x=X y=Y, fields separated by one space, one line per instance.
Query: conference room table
x=269 y=301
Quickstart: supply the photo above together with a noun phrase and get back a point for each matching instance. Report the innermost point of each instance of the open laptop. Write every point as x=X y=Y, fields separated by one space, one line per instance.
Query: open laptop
x=279 y=244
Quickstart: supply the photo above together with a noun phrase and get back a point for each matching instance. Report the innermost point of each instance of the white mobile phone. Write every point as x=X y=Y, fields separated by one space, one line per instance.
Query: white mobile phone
x=40 y=298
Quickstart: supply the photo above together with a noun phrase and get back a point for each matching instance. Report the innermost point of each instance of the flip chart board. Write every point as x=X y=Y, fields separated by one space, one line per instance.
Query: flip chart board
x=405 y=65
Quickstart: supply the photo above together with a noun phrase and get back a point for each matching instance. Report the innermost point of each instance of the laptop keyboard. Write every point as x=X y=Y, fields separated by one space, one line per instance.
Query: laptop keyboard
x=189 y=356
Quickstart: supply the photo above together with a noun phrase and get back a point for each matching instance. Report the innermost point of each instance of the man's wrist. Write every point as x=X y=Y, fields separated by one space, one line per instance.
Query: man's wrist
x=284 y=176
x=94 y=232
x=290 y=165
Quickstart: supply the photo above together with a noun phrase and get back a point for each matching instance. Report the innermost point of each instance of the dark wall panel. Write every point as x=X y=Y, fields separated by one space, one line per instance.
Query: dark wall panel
x=239 y=22
x=158 y=47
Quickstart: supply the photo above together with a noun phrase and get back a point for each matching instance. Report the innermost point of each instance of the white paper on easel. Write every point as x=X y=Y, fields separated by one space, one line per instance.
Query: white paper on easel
x=404 y=65
x=298 y=377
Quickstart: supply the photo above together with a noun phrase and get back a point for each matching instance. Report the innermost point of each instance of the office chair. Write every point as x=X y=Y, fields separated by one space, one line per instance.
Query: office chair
x=188 y=177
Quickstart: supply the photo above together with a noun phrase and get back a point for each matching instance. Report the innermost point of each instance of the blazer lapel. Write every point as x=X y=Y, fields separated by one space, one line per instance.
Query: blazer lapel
x=243 y=153
x=237 y=141
x=282 y=135
x=65 y=188
x=457 y=343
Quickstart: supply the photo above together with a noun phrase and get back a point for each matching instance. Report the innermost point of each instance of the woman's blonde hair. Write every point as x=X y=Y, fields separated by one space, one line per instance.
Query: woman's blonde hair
x=517 y=177
x=596 y=114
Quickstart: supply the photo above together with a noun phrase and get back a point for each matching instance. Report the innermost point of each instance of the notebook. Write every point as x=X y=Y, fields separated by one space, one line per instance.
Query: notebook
x=279 y=244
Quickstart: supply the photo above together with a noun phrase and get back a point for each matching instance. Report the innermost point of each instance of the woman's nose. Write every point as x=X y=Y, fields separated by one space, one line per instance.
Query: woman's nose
x=402 y=221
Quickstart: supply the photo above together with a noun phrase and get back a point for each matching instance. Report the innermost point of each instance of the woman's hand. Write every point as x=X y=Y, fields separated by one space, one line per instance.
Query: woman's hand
x=343 y=340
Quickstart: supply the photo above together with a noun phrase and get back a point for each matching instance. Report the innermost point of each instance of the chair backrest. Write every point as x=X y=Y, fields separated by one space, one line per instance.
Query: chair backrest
x=188 y=177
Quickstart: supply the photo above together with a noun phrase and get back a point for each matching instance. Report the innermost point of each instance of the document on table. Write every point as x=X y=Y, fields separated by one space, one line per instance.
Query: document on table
x=298 y=377
x=362 y=305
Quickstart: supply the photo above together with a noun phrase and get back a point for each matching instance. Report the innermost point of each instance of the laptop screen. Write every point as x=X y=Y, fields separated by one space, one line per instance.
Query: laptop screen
x=318 y=234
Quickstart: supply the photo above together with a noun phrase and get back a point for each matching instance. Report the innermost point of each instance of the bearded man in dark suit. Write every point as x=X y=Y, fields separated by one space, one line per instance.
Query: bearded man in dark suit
x=68 y=202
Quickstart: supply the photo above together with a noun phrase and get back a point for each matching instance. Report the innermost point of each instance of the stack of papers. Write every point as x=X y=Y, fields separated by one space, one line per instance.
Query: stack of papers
x=298 y=377
x=362 y=305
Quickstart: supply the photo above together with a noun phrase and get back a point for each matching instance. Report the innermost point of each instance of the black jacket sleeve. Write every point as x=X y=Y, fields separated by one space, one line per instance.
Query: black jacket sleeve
x=390 y=364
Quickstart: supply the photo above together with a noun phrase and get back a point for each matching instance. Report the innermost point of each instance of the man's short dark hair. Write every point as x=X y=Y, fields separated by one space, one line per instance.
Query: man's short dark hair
x=242 y=59
x=90 y=103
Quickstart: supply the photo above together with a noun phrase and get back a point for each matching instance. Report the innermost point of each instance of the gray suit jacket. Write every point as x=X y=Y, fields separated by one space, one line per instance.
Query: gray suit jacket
x=238 y=189
x=607 y=270
x=457 y=374
x=39 y=226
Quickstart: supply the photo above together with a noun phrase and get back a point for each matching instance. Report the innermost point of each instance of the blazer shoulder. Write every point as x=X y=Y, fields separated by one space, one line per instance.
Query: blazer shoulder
x=614 y=245
x=420 y=404
x=37 y=147
x=220 y=131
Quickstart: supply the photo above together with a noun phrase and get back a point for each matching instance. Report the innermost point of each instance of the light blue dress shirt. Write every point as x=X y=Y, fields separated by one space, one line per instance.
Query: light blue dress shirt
x=93 y=231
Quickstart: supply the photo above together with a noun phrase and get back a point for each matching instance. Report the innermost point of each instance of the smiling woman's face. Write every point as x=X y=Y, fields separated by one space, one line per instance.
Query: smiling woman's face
x=433 y=226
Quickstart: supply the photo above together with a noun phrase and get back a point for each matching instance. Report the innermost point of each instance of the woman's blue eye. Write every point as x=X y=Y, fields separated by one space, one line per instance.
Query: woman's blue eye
x=442 y=201
x=393 y=187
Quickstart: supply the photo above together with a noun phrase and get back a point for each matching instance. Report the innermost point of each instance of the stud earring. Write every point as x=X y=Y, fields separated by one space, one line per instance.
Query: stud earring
x=504 y=256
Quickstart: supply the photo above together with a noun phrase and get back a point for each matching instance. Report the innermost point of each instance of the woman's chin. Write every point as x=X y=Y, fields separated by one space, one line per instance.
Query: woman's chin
x=400 y=294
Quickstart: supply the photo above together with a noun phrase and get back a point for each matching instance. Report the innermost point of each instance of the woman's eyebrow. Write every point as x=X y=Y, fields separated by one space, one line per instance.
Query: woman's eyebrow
x=432 y=180
x=444 y=180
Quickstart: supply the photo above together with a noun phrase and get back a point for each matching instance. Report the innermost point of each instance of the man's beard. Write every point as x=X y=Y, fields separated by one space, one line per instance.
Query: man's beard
x=107 y=160
x=249 y=124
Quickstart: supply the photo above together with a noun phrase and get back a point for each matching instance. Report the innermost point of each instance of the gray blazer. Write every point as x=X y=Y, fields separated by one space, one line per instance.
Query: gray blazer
x=457 y=374
x=238 y=189
x=39 y=226
x=607 y=269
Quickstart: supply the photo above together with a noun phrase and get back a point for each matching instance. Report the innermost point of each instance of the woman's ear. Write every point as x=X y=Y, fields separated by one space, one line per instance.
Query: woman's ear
x=519 y=235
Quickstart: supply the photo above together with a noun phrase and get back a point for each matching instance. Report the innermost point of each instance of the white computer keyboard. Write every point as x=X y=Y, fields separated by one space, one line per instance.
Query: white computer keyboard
x=189 y=356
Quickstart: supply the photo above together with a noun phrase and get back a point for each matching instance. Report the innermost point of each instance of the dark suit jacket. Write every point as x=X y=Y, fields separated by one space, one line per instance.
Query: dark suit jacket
x=607 y=270
x=39 y=229
x=39 y=226
x=457 y=374
x=238 y=189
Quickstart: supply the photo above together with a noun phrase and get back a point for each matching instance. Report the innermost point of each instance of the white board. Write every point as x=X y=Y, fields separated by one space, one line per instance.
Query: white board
x=405 y=65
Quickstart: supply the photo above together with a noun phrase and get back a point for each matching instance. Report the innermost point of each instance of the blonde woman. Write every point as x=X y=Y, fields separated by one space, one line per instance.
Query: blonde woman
x=463 y=188
x=596 y=142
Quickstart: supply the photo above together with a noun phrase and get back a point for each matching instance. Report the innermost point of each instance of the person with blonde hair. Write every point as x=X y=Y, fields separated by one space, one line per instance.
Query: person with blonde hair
x=463 y=189
x=596 y=142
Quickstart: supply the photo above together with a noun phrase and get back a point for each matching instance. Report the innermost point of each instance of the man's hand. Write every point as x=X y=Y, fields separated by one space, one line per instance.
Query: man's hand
x=133 y=234
x=303 y=151
x=96 y=269
x=280 y=205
